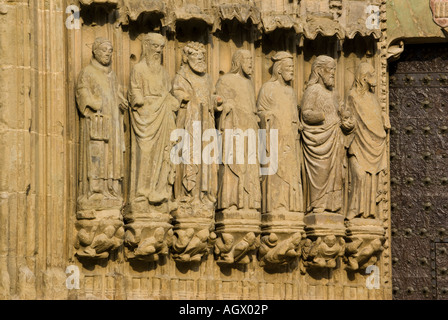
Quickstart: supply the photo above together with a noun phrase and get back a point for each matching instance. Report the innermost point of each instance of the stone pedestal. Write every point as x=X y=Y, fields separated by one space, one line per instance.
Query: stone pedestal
x=99 y=233
x=365 y=239
x=324 y=242
x=282 y=233
x=147 y=235
x=193 y=236
x=238 y=234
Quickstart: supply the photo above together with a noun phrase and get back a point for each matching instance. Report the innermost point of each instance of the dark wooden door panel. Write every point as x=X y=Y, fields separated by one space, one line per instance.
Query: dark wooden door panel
x=419 y=171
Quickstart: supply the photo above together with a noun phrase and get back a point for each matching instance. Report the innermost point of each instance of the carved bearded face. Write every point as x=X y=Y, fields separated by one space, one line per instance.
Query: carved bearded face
x=103 y=54
x=328 y=75
x=196 y=61
x=246 y=64
x=287 y=70
x=154 y=49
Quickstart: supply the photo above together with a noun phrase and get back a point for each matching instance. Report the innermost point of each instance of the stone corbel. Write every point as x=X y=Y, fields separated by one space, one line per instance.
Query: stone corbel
x=147 y=236
x=274 y=251
x=394 y=51
x=365 y=240
x=99 y=233
x=193 y=237
x=238 y=236
x=281 y=239
x=325 y=242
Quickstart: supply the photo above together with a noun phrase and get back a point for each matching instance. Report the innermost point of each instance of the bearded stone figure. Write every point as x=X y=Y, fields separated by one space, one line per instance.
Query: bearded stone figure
x=367 y=151
x=152 y=116
x=239 y=194
x=101 y=104
x=323 y=143
x=196 y=182
x=324 y=125
x=282 y=195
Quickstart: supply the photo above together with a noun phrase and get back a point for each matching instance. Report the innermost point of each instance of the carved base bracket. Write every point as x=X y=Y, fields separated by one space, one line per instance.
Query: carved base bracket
x=192 y=239
x=99 y=233
x=325 y=241
x=147 y=236
x=238 y=236
x=281 y=240
x=365 y=239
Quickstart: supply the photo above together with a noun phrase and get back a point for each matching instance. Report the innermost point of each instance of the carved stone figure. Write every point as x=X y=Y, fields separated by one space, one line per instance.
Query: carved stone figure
x=101 y=104
x=322 y=252
x=367 y=151
x=367 y=160
x=323 y=139
x=275 y=252
x=152 y=117
x=324 y=124
x=229 y=251
x=239 y=190
x=282 y=195
x=361 y=254
x=196 y=182
x=278 y=110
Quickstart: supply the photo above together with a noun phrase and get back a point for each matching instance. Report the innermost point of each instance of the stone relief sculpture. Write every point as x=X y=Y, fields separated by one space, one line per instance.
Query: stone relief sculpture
x=178 y=182
x=367 y=159
x=101 y=104
x=367 y=151
x=239 y=195
x=324 y=124
x=196 y=182
x=152 y=115
x=282 y=195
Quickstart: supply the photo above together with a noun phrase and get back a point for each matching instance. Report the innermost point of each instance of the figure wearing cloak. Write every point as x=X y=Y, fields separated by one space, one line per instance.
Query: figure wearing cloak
x=152 y=116
x=239 y=181
x=101 y=104
x=278 y=110
x=367 y=151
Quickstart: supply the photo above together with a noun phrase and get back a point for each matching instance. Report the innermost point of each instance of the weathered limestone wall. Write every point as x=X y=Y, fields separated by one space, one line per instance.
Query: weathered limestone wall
x=40 y=60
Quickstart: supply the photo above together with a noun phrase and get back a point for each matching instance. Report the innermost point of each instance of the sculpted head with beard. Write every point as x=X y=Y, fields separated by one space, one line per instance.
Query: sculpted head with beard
x=102 y=51
x=323 y=71
x=194 y=56
x=152 y=49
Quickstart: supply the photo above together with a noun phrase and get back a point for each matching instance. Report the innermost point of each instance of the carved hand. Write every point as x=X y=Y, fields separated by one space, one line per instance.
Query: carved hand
x=96 y=104
x=348 y=124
